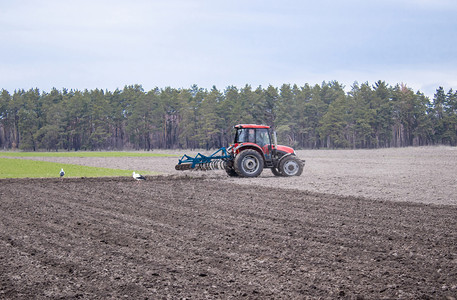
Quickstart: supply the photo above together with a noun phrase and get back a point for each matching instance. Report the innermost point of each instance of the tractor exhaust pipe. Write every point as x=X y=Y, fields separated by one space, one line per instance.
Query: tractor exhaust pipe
x=275 y=139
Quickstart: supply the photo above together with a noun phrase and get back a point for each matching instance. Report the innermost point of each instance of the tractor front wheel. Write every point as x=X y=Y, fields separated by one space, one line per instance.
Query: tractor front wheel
x=275 y=172
x=249 y=163
x=291 y=166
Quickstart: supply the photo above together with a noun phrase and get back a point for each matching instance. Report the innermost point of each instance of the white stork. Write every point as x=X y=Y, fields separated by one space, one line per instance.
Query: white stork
x=138 y=176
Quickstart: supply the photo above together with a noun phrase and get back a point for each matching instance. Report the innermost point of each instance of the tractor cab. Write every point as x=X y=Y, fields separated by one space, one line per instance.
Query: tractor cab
x=262 y=138
x=254 y=136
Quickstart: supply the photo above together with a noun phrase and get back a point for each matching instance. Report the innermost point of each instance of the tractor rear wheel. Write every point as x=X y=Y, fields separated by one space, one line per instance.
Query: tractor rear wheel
x=248 y=163
x=231 y=172
x=291 y=166
x=229 y=169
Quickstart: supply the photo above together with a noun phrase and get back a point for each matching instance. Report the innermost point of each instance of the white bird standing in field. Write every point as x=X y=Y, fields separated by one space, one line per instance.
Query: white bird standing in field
x=62 y=173
x=138 y=176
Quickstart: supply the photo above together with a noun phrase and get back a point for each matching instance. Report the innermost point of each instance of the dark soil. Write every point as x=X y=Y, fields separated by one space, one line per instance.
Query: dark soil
x=178 y=237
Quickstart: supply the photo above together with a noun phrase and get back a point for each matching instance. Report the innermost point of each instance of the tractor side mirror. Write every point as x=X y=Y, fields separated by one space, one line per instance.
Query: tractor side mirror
x=275 y=139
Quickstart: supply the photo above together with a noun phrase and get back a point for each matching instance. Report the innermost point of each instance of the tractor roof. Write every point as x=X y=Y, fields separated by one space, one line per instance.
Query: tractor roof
x=250 y=126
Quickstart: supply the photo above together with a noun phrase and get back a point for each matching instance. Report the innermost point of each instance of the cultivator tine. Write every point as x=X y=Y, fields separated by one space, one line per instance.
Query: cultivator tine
x=201 y=167
x=183 y=167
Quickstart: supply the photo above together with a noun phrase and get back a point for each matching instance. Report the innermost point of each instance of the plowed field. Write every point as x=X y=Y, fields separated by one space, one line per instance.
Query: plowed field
x=185 y=236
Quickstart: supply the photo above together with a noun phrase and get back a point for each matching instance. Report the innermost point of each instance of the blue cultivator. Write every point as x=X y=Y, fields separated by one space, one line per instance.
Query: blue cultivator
x=217 y=160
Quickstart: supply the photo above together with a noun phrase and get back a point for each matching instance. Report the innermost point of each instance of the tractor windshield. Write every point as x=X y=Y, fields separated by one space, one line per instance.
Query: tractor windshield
x=259 y=136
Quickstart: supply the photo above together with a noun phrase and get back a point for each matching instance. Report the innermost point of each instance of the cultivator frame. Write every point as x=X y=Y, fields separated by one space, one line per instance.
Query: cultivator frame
x=215 y=161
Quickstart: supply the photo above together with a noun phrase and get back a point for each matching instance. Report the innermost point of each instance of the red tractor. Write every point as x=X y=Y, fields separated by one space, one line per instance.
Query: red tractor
x=254 y=149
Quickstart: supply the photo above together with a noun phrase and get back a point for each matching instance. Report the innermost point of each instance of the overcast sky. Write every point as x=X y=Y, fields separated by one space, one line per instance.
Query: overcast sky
x=79 y=44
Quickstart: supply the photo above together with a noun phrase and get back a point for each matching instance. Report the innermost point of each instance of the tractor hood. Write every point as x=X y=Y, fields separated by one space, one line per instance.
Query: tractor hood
x=285 y=149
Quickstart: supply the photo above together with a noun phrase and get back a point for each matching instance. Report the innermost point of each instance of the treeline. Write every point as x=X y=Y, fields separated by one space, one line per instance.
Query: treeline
x=319 y=116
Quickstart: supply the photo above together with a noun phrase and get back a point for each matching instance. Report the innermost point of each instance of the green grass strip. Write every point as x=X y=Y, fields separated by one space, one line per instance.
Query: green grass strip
x=84 y=154
x=24 y=168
